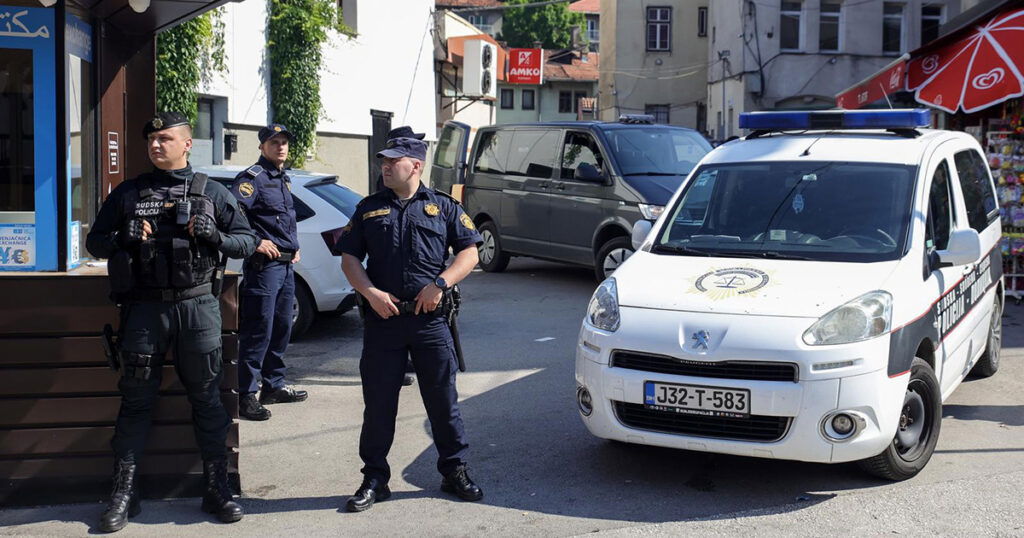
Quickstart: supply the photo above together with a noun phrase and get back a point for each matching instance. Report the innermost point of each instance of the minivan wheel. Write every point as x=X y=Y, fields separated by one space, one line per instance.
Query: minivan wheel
x=303 y=310
x=988 y=364
x=492 y=258
x=611 y=256
x=918 y=429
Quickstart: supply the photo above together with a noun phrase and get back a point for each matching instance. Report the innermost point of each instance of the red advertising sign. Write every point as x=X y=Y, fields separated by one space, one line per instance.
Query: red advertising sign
x=525 y=66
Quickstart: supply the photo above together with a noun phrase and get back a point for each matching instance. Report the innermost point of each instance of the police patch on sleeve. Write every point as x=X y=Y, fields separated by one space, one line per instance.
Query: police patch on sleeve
x=432 y=210
x=246 y=189
x=467 y=222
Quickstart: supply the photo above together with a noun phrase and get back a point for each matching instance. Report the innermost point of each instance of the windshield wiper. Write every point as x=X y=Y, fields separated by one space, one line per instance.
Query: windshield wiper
x=680 y=250
x=771 y=255
x=653 y=174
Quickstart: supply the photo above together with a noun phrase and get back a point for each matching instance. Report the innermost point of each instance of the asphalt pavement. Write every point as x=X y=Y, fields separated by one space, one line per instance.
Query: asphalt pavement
x=544 y=474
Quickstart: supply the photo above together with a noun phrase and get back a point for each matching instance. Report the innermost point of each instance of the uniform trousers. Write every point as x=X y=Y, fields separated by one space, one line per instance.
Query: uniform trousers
x=266 y=302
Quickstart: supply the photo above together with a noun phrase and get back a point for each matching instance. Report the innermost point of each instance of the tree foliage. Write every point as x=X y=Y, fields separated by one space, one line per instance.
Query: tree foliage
x=551 y=25
x=186 y=55
x=296 y=33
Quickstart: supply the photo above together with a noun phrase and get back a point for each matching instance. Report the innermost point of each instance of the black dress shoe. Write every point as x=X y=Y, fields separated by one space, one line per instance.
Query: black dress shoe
x=369 y=492
x=459 y=483
x=282 y=395
x=250 y=408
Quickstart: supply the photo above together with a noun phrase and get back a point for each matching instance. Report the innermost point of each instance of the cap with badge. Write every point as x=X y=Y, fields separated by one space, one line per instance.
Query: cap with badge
x=405 y=132
x=164 y=120
x=404 y=147
x=272 y=130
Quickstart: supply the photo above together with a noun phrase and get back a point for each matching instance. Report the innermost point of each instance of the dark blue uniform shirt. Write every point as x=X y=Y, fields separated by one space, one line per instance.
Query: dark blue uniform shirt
x=407 y=246
x=265 y=193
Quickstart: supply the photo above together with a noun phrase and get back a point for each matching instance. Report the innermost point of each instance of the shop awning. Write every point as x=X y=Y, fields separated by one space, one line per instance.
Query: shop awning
x=978 y=65
x=160 y=15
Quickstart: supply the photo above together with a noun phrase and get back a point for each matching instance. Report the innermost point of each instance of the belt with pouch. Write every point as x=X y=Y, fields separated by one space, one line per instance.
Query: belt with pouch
x=405 y=308
x=286 y=256
x=168 y=295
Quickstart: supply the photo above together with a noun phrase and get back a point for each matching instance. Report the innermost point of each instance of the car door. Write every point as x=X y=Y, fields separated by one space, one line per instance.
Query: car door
x=449 y=164
x=581 y=197
x=525 y=209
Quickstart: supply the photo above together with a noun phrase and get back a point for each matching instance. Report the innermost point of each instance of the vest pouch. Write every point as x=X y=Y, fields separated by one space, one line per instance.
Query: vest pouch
x=147 y=255
x=119 y=271
x=181 y=268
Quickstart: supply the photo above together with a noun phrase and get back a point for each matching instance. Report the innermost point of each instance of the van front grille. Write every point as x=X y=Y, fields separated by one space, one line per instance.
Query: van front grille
x=757 y=371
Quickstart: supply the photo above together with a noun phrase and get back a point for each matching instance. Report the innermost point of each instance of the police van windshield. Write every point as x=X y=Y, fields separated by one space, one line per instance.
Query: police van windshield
x=653 y=151
x=829 y=211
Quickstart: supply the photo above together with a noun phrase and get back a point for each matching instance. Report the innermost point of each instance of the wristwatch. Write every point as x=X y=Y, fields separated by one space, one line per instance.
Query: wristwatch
x=441 y=283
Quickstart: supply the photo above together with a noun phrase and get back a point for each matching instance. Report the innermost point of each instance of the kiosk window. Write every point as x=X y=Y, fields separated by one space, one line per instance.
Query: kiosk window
x=17 y=145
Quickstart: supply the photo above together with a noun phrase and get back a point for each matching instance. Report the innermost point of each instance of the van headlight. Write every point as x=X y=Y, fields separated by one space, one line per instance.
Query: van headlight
x=603 y=311
x=865 y=317
x=650 y=211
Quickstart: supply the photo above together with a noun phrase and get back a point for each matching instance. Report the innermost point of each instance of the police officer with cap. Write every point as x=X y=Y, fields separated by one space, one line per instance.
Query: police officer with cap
x=405 y=232
x=165 y=234
x=268 y=277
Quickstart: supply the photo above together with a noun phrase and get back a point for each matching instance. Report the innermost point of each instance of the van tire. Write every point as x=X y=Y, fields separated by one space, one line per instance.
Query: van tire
x=988 y=364
x=923 y=397
x=303 y=319
x=614 y=247
x=494 y=260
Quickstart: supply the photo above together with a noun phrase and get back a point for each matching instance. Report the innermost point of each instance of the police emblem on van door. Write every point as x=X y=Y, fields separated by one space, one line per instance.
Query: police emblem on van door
x=731 y=282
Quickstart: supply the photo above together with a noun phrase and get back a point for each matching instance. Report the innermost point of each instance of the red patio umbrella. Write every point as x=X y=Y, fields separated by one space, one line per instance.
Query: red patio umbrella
x=979 y=70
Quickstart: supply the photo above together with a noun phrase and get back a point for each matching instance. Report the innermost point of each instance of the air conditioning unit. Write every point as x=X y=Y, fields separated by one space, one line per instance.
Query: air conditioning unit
x=479 y=69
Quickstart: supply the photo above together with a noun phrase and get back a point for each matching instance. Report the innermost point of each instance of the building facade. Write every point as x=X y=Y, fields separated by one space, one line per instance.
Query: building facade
x=800 y=54
x=591 y=10
x=567 y=93
x=654 y=60
x=485 y=15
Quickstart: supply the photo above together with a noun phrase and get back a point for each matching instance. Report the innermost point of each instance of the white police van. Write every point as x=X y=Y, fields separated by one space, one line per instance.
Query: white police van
x=812 y=292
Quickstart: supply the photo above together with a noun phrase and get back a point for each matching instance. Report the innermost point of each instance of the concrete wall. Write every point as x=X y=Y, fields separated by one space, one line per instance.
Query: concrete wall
x=545 y=101
x=632 y=77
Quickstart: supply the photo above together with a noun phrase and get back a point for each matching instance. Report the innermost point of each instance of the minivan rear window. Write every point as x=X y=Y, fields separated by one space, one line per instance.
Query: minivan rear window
x=493 y=152
x=654 y=151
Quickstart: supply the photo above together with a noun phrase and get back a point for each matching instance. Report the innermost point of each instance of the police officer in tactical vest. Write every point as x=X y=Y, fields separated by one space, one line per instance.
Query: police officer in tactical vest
x=404 y=232
x=267 y=291
x=166 y=235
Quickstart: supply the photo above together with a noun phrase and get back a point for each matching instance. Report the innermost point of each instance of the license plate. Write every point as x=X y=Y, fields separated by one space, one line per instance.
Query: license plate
x=697 y=400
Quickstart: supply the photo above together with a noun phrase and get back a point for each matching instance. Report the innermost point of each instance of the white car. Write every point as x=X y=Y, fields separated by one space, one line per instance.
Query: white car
x=322 y=208
x=812 y=292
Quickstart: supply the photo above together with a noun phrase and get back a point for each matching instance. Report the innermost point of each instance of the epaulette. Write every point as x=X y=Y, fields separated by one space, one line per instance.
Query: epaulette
x=448 y=196
x=254 y=170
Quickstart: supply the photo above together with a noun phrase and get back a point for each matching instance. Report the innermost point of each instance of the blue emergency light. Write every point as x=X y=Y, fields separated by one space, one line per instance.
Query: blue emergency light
x=836 y=119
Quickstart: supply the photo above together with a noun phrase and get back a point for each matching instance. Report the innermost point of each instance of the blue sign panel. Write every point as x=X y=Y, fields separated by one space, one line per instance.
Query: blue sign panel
x=78 y=37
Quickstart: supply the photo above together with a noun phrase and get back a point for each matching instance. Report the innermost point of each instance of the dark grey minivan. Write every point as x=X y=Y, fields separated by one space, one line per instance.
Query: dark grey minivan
x=565 y=191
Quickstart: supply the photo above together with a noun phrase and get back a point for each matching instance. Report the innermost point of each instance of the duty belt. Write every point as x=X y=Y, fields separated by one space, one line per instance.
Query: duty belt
x=285 y=256
x=169 y=295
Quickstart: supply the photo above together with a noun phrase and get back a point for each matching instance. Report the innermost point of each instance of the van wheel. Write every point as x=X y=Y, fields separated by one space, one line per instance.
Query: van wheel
x=492 y=258
x=303 y=310
x=611 y=256
x=918 y=429
x=988 y=364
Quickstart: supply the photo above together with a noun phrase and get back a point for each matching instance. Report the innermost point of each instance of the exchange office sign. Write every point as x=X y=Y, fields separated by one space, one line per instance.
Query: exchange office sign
x=525 y=66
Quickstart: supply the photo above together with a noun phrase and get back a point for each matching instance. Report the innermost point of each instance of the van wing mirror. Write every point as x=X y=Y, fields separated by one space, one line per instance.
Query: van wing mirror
x=589 y=172
x=964 y=247
x=641 y=229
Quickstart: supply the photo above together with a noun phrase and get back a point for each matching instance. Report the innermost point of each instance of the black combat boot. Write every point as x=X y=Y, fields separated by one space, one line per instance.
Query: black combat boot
x=217 y=499
x=369 y=492
x=124 y=500
x=250 y=408
x=459 y=483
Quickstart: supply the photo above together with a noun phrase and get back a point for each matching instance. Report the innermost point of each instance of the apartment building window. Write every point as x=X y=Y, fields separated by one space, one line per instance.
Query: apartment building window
x=565 y=102
x=931 y=19
x=508 y=98
x=204 y=119
x=660 y=112
x=892 y=28
x=527 y=100
x=659 y=28
x=789 y=26
x=593 y=30
x=829 y=25
x=702 y=22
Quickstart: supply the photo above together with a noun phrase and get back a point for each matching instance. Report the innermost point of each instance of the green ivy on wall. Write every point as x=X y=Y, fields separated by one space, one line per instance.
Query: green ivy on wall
x=296 y=32
x=186 y=55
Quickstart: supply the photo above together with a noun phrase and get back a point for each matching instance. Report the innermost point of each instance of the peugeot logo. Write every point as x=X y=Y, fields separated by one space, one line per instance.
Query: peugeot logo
x=701 y=339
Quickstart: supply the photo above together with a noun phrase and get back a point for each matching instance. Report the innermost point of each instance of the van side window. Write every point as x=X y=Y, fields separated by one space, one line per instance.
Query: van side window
x=447 y=154
x=579 y=149
x=532 y=153
x=493 y=152
x=940 y=210
x=979 y=199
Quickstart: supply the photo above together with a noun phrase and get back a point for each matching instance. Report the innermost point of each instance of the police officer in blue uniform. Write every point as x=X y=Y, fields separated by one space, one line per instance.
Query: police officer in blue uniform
x=268 y=278
x=164 y=234
x=404 y=232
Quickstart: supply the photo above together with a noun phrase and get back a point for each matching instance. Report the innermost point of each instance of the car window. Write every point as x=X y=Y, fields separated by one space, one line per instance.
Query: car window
x=447 y=154
x=579 y=149
x=302 y=211
x=828 y=211
x=940 y=209
x=532 y=153
x=975 y=183
x=339 y=197
x=492 y=152
x=649 y=150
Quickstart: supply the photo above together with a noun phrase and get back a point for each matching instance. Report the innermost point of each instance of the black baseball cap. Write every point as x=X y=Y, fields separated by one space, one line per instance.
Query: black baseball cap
x=272 y=130
x=164 y=120
x=405 y=132
x=404 y=147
